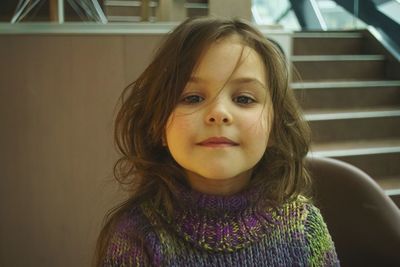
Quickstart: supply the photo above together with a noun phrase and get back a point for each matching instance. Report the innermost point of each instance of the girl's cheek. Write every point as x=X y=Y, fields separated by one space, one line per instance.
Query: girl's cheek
x=259 y=122
x=181 y=121
x=259 y=127
x=266 y=122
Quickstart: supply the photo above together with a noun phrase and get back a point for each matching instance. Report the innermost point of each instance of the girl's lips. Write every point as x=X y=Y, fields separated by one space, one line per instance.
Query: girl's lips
x=217 y=142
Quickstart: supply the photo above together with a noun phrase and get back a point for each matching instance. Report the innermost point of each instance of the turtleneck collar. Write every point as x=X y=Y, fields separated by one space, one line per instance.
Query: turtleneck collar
x=221 y=223
x=202 y=202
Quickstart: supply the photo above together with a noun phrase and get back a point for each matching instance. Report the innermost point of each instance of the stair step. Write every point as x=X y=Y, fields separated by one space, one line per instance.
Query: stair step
x=329 y=43
x=356 y=148
x=347 y=94
x=338 y=67
x=353 y=125
x=323 y=58
x=345 y=115
x=390 y=184
x=345 y=84
x=128 y=3
x=327 y=35
x=378 y=158
x=391 y=187
x=122 y=3
x=125 y=10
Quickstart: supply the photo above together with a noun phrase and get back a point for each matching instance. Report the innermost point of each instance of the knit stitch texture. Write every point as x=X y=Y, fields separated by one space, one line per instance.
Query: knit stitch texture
x=208 y=230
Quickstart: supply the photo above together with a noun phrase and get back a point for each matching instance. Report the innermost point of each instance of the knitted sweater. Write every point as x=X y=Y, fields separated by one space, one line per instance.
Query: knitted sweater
x=211 y=230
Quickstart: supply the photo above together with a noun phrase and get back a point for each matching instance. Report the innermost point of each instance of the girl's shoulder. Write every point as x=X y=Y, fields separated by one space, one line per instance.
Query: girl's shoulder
x=307 y=220
x=134 y=222
x=128 y=239
x=300 y=210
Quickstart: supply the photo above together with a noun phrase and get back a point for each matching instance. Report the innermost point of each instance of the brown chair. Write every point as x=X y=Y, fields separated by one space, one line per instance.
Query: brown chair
x=363 y=221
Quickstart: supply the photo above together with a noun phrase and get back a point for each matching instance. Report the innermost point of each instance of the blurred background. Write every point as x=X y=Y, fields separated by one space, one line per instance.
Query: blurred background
x=64 y=63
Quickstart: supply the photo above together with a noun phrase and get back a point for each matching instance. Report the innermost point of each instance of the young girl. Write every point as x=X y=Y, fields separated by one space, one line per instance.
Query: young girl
x=213 y=147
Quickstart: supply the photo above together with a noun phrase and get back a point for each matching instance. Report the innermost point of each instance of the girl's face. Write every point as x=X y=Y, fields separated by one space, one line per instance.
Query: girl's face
x=219 y=130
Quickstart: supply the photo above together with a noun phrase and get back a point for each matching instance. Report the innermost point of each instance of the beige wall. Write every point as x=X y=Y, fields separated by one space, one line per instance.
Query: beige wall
x=231 y=8
x=57 y=98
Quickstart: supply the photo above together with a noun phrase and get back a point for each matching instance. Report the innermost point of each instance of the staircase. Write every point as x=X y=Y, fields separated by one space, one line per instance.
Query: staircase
x=349 y=88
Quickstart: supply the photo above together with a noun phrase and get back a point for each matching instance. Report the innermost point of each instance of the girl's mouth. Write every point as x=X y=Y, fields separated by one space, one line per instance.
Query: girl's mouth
x=217 y=142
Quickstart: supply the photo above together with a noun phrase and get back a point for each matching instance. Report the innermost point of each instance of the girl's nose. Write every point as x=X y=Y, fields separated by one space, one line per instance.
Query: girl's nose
x=219 y=114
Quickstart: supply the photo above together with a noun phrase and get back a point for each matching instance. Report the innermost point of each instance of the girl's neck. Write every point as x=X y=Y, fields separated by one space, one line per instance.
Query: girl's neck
x=219 y=187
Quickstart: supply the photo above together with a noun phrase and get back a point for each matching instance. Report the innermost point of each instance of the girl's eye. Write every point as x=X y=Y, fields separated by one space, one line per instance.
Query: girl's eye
x=243 y=100
x=192 y=99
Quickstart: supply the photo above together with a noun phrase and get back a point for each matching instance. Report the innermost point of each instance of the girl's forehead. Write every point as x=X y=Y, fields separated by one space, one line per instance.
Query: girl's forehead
x=227 y=58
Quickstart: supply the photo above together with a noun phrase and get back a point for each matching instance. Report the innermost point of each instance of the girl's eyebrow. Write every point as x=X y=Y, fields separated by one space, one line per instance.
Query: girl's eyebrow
x=240 y=80
x=194 y=79
x=247 y=80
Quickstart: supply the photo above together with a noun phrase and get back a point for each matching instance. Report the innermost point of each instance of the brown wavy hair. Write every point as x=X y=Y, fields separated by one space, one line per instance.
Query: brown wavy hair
x=146 y=168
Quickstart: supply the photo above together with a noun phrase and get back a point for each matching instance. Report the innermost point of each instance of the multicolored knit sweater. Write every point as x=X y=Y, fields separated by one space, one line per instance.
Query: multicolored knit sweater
x=222 y=231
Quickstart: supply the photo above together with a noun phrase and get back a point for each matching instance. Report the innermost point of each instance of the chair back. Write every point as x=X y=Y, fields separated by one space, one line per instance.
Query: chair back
x=363 y=221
